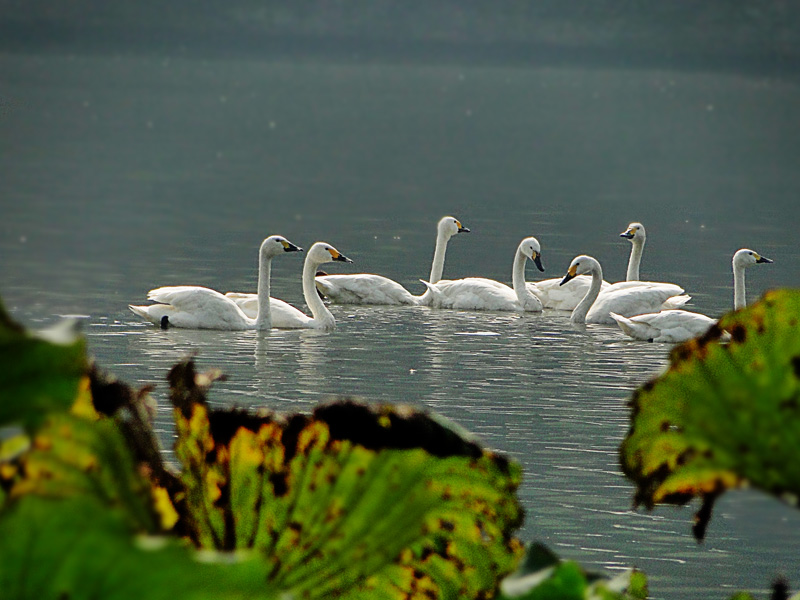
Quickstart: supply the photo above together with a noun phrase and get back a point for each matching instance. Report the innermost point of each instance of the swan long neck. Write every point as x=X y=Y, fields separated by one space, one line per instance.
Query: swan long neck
x=518 y=278
x=264 y=317
x=739 y=298
x=635 y=259
x=323 y=319
x=580 y=311
x=437 y=267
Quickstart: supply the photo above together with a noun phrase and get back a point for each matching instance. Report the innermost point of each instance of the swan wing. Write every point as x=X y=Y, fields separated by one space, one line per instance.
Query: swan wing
x=284 y=315
x=666 y=326
x=631 y=300
x=248 y=303
x=193 y=307
x=363 y=288
x=675 y=302
x=562 y=297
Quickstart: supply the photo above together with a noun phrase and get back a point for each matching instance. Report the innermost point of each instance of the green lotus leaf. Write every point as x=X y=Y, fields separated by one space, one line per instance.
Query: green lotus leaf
x=726 y=414
x=352 y=501
x=79 y=548
x=544 y=576
x=42 y=372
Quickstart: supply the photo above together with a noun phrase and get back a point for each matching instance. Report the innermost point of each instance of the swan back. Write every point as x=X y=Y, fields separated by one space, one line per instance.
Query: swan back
x=664 y=326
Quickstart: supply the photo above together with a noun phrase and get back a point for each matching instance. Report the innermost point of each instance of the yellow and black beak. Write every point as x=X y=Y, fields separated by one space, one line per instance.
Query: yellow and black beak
x=628 y=234
x=338 y=256
x=461 y=229
x=762 y=259
x=570 y=274
x=537 y=260
x=290 y=247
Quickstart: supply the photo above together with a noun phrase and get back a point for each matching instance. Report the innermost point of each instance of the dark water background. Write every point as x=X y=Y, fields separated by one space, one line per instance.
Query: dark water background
x=121 y=172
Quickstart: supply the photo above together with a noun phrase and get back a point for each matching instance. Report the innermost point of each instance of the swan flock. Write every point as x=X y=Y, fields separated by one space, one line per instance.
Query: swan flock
x=643 y=310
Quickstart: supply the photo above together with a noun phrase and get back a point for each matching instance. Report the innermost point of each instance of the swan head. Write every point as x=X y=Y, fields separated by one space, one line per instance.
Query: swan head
x=580 y=265
x=449 y=226
x=531 y=249
x=746 y=257
x=277 y=244
x=322 y=252
x=634 y=233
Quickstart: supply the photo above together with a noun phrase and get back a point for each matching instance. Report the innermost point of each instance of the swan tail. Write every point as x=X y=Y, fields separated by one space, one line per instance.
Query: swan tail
x=638 y=331
x=675 y=302
x=148 y=313
x=431 y=295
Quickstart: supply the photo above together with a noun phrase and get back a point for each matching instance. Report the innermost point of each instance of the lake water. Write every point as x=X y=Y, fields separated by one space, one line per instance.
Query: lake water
x=119 y=174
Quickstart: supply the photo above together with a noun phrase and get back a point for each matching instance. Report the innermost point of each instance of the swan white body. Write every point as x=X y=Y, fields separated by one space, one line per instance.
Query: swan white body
x=683 y=325
x=553 y=295
x=626 y=301
x=478 y=293
x=196 y=307
x=366 y=288
x=665 y=326
x=286 y=316
x=567 y=296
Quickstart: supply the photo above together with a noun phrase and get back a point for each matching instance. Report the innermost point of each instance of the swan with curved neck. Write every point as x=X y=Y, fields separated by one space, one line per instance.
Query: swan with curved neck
x=196 y=307
x=367 y=288
x=682 y=325
x=287 y=316
x=478 y=293
x=627 y=301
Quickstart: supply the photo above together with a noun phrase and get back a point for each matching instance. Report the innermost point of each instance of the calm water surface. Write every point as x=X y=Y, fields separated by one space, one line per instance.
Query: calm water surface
x=119 y=174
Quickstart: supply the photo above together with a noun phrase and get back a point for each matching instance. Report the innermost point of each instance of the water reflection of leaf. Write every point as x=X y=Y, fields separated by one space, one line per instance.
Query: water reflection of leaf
x=724 y=415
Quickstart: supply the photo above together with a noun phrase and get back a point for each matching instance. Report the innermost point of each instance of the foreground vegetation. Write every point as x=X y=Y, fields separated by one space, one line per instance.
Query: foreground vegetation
x=353 y=500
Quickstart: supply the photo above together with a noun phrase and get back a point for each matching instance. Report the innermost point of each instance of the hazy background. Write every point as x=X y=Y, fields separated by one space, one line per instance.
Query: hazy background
x=157 y=143
x=735 y=33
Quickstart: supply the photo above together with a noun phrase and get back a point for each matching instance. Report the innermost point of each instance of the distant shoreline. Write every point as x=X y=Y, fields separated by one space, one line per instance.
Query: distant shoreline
x=43 y=36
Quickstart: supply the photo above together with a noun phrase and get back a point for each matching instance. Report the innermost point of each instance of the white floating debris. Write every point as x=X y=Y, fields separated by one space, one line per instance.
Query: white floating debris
x=476 y=333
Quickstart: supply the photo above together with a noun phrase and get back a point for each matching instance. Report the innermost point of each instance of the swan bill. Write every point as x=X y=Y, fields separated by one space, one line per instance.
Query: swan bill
x=290 y=247
x=338 y=256
x=627 y=234
x=537 y=260
x=461 y=228
x=762 y=259
x=571 y=273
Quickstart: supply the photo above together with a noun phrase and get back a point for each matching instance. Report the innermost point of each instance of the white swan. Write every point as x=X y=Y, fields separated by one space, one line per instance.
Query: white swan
x=366 y=288
x=627 y=301
x=567 y=296
x=197 y=307
x=286 y=316
x=477 y=293
x=682 y=325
